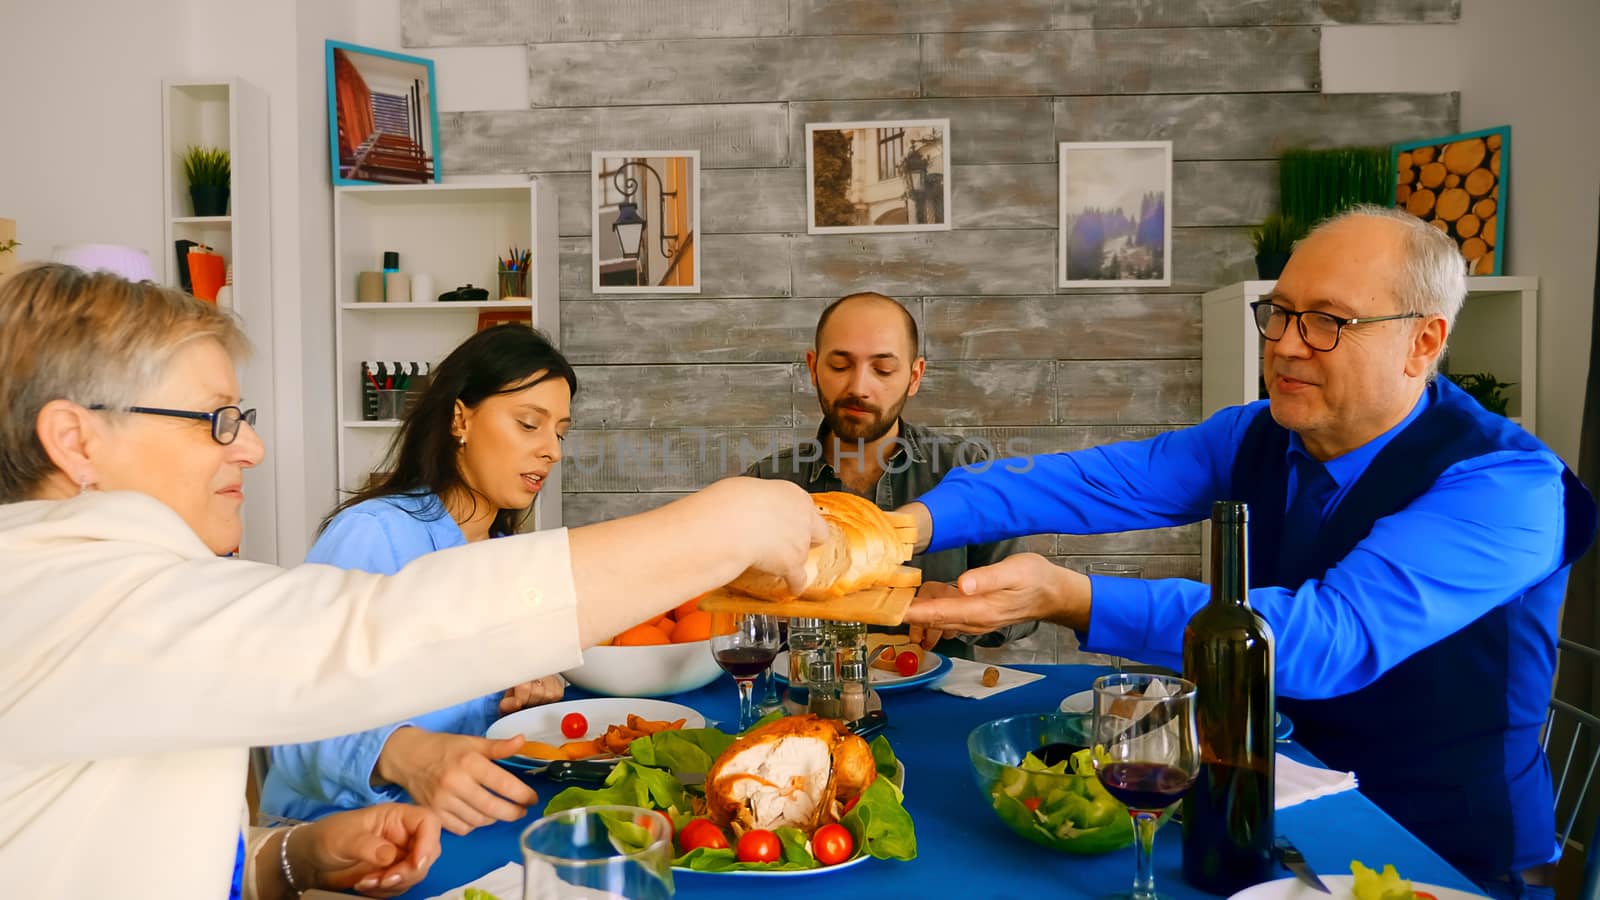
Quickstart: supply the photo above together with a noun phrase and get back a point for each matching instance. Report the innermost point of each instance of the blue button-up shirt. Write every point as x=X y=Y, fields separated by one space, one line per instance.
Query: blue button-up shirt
x=1490 y=528
x=310 y=780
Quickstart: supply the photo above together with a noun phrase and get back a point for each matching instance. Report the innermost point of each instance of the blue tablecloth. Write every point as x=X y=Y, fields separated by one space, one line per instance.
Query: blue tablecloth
x=963 y=848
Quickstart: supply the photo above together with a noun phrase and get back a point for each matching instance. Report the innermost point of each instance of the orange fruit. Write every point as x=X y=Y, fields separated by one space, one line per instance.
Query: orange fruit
x=668 y=628
x=695 y=626
x=686 y=608
x=722 y=623
x=664 y=617
x=641 y=635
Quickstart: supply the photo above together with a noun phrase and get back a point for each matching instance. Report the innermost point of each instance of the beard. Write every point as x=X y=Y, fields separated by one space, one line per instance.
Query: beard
x=865 y=429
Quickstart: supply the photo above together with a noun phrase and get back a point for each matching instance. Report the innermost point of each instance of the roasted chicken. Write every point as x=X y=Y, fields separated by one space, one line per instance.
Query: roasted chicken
x=797 y=771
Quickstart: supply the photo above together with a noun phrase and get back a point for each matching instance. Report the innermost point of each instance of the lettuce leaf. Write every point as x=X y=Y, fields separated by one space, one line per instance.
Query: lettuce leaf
x=879 y=822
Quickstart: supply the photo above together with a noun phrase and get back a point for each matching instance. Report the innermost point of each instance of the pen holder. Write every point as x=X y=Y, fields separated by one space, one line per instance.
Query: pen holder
x=392 y=403
x=513 y=284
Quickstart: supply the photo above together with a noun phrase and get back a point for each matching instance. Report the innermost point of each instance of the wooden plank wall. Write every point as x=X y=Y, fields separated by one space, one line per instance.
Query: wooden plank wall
x=677 y=391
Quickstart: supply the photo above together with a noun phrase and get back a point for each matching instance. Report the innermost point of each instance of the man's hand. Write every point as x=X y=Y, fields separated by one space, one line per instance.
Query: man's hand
x=537 y=692
x=924 y=521
x=381 y=850
x=925 y=635
x=455 y=776
x=1019 y=588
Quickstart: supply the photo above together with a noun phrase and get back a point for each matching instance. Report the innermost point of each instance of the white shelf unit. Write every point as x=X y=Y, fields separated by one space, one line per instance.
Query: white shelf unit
x=231 y=114
x=1497 y=331
x=454 y=233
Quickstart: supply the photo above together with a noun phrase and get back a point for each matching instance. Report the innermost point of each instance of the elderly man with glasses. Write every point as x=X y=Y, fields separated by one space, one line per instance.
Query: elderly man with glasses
x=1409 y=549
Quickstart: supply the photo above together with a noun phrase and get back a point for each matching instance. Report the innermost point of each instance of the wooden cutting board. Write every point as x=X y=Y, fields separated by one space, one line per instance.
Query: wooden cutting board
x=874 y=606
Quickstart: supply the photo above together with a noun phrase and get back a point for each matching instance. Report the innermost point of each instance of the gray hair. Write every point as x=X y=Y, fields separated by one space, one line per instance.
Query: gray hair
x=1433 y=278
x=67 y=334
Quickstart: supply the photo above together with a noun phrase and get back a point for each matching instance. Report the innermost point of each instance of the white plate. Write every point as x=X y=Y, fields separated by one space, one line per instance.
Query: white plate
x=543 y=723
x=1341 y=885
x=899 y=780
x=788 y=873
x=933 y=665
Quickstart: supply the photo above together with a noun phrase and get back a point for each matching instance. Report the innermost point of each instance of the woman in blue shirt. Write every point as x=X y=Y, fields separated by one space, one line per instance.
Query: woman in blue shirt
x=466 y=465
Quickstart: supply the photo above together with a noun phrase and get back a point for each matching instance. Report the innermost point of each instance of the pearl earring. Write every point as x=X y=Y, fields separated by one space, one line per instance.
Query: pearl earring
x=83 y=486
x=463 y=441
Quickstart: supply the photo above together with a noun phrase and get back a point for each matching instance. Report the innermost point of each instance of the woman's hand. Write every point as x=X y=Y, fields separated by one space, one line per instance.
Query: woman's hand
x=537 y=692
x=779 y=520
x=381 y=850
x=455 y=776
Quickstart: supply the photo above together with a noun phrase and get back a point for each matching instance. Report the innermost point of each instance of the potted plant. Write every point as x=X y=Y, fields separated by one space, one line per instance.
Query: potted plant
x=1273 y=239
x=209 y=173
x=1486 y=389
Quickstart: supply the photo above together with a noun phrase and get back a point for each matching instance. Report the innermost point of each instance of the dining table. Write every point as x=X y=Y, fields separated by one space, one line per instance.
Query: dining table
x=963 y=849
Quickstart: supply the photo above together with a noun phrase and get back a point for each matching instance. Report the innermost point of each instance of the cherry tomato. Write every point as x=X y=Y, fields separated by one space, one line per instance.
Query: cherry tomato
x=907 y=664
x=699 y=833
x=1424 y=895
x=832 y=844
x=574 y=725
x=759 y=845
x=850 y=804
x=1032 y=803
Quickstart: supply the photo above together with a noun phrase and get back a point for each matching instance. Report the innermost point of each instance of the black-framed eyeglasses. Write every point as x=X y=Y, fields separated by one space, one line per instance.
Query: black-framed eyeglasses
x=224 y=419
x=1319 y=330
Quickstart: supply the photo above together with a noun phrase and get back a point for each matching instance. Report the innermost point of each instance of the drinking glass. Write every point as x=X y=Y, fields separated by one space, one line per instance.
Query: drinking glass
x=598 y=852
x=1146 y=753
x=1116 y=570
x=744 y=653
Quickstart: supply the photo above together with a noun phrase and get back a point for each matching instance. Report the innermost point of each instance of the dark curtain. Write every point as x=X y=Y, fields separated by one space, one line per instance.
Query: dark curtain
x=1578 y=679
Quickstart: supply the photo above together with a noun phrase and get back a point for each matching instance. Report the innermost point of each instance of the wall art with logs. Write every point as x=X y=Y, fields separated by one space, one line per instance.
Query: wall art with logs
x=1458 y=185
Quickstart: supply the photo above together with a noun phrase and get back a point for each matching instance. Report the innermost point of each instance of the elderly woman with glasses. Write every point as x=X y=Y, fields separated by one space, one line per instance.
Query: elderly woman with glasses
x=137 y=665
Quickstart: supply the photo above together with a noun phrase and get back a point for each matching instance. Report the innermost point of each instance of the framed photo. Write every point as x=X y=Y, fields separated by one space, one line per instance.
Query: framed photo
x=383 y=123
x=1116 y=226
x=878 y=176
x=1458 y=185
x=646 y=221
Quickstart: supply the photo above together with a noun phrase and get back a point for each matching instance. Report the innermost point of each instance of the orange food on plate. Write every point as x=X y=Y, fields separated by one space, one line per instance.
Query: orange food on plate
x=614 y=742
x=686 y=608
x=685 y=624
x=695 y=626
x=641 y=635
x=541 y=750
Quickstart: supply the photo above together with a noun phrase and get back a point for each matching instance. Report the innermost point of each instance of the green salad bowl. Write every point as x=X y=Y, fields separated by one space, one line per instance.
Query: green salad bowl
x=1064 y=808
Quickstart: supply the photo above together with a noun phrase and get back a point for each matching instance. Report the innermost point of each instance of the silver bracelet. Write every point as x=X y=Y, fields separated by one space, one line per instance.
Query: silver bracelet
x=283 y=861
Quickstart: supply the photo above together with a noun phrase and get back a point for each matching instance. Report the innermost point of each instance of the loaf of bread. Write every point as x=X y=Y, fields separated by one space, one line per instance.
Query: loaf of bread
x=864 y=549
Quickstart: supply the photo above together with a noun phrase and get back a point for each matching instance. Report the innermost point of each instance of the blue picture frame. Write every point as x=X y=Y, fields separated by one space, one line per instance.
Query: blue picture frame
x=391 y=137
x=1489 y=229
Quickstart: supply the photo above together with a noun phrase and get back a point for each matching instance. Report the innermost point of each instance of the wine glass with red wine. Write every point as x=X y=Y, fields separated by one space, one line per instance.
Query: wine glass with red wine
x=1146 y=753
x=746 y=652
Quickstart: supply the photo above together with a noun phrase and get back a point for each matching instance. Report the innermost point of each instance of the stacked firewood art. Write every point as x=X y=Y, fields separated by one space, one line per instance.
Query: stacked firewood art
x=1455 y=185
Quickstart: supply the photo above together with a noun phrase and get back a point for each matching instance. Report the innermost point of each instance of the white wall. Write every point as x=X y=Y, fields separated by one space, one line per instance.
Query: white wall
x=1530 y=64
x=80 y=161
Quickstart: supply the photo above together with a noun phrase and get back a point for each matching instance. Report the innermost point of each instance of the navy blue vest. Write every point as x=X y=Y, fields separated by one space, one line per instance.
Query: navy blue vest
x=1446 y=742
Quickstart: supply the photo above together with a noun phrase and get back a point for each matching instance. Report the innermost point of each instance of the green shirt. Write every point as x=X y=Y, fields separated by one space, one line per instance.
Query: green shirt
x=916 y=461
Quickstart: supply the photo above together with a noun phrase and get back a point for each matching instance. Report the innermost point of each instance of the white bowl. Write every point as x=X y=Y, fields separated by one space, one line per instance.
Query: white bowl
x=649 y=671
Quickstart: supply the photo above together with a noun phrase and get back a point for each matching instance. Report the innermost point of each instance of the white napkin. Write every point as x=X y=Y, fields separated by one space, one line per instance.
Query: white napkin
x=965 y=679
x=504 y=882
x=1298 y=782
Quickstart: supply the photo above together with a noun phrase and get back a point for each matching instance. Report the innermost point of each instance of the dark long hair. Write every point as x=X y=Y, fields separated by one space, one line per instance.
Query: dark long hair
x=422 y=457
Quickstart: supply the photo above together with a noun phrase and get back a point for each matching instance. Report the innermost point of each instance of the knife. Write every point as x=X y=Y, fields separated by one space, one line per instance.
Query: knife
x=1295 y=861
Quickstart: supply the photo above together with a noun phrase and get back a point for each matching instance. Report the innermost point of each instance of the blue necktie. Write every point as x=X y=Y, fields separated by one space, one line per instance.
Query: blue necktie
x=1303 y=519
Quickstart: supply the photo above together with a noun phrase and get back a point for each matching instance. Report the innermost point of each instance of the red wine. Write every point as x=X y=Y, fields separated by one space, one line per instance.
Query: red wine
x=745 y=662
x=1228 y=654
x=1146 y=787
